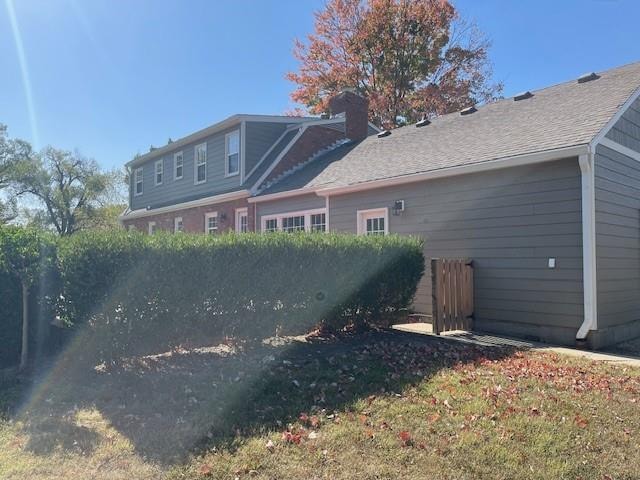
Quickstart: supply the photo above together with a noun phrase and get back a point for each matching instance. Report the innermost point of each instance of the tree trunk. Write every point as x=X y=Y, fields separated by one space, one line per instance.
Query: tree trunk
x=24 y=354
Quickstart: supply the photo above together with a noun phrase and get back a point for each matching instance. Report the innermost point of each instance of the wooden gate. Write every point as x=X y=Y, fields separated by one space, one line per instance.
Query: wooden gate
x=452 y=288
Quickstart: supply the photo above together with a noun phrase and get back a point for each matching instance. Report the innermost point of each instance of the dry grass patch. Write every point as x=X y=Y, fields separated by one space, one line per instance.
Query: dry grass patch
x=385 y=405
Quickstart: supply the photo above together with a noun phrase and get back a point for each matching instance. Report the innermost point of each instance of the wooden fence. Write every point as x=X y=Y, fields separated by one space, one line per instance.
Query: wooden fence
x=452 y=289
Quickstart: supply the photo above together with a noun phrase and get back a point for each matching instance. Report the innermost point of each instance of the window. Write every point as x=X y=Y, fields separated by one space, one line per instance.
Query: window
x=211 y=222
x=293 y=224
x=178 y=166
x=138 y=181
x=152 y=228
x=232 y=153
x=242 y=220
x=373 y=222
x=308 y=221
x=271 y=225
x=200 y=171
x=159 y=170
x=178 y=225
x=318 y=222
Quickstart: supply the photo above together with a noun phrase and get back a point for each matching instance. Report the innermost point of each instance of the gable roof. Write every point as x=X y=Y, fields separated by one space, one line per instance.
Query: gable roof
x=561 y=116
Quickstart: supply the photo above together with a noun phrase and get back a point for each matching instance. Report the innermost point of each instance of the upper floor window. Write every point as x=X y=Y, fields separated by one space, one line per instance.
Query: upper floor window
x=373 y=222
x=159 y=171
x=178 y=226
x=232 y=153
x=178 y=166
x=138 y=181
x=200 y=161
x=211 y=222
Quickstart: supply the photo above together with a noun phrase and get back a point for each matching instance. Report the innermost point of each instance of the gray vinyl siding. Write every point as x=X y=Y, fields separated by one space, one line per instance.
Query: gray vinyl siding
x=510 y=222
x=626 y=131
x=617 y=182
x=260 y=136
x=286 y=205
x=175 y=191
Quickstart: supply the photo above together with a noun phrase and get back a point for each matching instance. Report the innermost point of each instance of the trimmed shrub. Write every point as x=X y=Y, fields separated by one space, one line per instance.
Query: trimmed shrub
x=141 y=294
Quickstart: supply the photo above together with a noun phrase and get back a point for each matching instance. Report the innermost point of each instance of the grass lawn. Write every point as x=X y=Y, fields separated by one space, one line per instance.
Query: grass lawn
x=380 y=405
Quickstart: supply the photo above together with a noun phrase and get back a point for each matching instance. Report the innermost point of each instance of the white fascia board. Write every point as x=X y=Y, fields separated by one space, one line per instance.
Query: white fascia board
x=613 y=120
x=225 y=197
x=518 y=160
x=284 y=151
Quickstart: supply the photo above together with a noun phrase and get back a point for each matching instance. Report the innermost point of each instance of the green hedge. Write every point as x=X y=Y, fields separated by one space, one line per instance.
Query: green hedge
x=140 y=294
x=126 y=293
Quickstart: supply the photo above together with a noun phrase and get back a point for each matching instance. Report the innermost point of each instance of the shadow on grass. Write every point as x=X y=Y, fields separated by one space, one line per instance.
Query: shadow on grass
x=176 y=404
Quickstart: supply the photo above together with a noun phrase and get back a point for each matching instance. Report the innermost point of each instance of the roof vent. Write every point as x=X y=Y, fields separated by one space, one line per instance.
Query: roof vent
x=587 y=77
x=384 y=133
x=468 y=110
x=423 y=123
x=522 y=96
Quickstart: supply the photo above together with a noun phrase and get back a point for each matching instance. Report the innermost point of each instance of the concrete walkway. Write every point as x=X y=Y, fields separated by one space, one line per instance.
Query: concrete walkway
x=488 y=340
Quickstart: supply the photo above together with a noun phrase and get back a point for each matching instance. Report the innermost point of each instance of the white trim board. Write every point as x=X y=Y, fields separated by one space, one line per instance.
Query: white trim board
x=613 y=120
x=224 y=197
x=606 y=142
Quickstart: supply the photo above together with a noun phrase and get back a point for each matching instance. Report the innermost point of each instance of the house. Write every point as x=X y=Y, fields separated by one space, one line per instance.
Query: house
x=540 y=190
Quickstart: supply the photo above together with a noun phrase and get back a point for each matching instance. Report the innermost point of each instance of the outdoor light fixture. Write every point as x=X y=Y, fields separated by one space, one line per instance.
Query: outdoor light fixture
x=398 y=207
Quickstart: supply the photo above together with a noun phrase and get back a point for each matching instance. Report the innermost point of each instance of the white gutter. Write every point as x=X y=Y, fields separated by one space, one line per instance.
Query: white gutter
x=146 y=212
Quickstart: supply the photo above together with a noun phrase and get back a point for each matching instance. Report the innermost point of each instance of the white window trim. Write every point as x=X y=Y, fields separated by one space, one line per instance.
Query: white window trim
x=135 y=181
x=307 y=219
x=177 y=220
x=207 y=216
x=155 y=172
x=226 y=154
x=175 y=165
x=239 y=213
x=195 y=164
x=372 y=212
x=150 y=227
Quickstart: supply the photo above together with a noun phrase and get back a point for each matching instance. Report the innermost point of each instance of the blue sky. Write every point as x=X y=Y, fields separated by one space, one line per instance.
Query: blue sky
x=111 y=77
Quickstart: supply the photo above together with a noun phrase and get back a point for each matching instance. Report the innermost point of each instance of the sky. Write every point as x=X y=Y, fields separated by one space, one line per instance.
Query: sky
x=112 y=77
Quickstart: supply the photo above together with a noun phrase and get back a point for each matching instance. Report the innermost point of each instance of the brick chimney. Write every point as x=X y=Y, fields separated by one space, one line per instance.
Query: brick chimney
x=356 y=110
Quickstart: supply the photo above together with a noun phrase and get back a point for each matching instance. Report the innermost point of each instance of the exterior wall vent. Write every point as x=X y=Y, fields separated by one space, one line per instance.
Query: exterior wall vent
x=384 y=133
x=587 y=77
x=423 y=123
x=522 y=96
x=468 y=110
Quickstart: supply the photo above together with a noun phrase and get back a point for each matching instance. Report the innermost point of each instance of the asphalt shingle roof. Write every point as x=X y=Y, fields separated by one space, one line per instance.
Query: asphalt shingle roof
x=563 y=115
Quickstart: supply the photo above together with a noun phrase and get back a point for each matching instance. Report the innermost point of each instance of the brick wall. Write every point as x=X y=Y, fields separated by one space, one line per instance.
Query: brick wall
x=313 y=140
x=193 y=218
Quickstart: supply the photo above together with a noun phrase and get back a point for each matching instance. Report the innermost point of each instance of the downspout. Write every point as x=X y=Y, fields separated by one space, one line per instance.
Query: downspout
x=590 y=322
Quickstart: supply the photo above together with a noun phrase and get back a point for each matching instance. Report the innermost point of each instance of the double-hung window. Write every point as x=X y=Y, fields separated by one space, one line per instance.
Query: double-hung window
x=137 y=175
x=242 y=220
x=200 y=161
x=318 y=222
x=373 y=222
x=271 y=225
x=178 y=165
x=211 y=222
x=159 y=172
x=178 y=226
x=232 y=153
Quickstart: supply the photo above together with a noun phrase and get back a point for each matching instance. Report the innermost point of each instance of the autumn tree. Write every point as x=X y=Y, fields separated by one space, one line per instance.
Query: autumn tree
x=411 y=58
